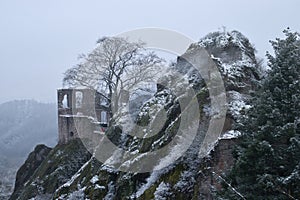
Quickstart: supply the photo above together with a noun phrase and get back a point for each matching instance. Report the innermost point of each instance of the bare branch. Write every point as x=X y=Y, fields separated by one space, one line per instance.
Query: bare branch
x=115 y=64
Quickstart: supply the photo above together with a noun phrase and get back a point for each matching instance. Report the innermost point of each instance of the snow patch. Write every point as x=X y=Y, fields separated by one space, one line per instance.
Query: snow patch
x=111 y=191
x=162 y=191
x=94 y=179
x=100 y=187
x=230 y=134
x=237 y=103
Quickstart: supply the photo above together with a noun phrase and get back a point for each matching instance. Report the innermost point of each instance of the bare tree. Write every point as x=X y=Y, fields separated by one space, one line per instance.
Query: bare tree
x=113 y=66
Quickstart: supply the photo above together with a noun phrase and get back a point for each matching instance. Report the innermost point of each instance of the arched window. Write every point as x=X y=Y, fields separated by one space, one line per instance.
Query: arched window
x=65 y=103
x=78 y=98
x=103 y=117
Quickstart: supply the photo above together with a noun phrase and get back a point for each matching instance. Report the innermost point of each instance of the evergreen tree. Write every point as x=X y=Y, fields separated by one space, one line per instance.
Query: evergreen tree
x=268 y=158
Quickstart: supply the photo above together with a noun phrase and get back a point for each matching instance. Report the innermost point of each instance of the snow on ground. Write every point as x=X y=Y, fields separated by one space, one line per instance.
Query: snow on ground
x=162 y=191
x=78 y=194
x=94 y=179
x=100 y=187
x=111 y=191
x=75 y=176
x=230 y=134
x=237 y=103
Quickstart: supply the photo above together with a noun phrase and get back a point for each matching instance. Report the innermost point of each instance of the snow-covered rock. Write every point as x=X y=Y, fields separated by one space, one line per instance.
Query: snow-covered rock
x=152 y=123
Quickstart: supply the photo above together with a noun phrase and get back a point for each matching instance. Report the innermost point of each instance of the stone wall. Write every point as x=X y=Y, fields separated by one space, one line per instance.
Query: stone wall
x=79 y=112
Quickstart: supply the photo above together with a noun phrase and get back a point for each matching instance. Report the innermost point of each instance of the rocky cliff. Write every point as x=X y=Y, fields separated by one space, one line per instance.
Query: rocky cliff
x=71 y=172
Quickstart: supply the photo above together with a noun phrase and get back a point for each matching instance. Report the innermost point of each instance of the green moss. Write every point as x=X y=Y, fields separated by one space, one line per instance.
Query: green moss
x=149 y=193
x=171 y=177
x=144 y=120
x=196 y=192
x=30 y=192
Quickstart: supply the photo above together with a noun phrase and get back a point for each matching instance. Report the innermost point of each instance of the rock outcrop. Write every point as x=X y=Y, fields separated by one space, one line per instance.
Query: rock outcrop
x=70 y=172
x=33 y=161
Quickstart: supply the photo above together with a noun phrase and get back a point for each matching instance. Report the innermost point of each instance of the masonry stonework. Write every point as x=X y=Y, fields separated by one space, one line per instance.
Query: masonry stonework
x=81 y=112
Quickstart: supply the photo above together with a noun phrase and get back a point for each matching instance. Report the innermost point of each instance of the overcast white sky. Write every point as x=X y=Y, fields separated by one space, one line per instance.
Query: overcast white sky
x=39 y=40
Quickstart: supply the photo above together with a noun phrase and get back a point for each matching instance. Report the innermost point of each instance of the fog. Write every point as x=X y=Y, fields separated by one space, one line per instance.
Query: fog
x=39 y=40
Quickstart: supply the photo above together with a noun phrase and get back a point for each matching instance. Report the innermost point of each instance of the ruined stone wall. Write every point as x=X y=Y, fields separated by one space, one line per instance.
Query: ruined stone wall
x=79 y=110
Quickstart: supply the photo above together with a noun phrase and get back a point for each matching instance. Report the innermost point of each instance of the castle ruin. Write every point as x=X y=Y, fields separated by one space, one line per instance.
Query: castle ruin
x=80 y=111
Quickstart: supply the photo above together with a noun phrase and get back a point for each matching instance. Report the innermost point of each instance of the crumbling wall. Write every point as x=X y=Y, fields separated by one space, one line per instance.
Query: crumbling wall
x=79 y=112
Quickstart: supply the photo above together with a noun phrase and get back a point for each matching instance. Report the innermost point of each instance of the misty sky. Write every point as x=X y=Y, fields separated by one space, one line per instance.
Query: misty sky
x=39 y=40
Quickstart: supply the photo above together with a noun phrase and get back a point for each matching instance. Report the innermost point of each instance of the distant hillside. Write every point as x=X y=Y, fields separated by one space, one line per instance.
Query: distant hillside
x=23 y=124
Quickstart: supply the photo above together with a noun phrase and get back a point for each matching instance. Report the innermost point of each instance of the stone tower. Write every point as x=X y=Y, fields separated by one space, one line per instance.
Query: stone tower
x=80 y=111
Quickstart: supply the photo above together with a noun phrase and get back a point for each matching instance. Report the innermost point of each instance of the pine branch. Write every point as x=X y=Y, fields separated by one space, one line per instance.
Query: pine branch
x=231 y=187
x=283 y=192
